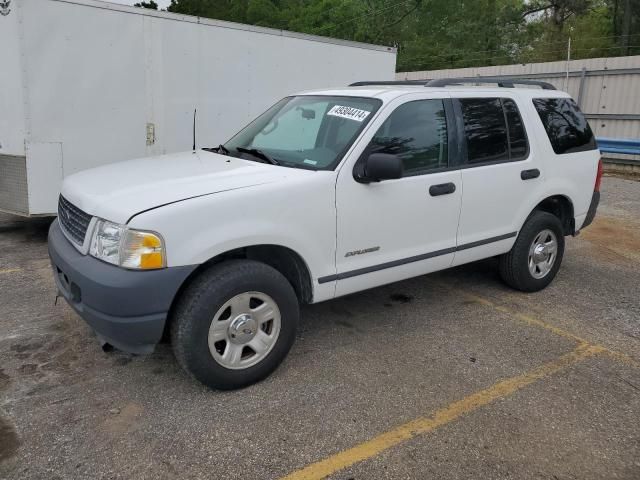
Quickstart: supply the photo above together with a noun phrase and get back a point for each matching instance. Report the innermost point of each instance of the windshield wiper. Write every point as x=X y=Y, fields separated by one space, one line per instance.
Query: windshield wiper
x=219 y=149
x=259 y=154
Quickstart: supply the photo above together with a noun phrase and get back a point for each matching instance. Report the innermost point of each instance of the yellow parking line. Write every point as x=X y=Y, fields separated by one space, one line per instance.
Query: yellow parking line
x=521 y=317
x=441 y=417
x=524 y=318
x=9 y=270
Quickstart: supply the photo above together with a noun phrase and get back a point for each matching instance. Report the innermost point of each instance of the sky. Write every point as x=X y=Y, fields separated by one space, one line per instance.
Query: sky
x=161 y=3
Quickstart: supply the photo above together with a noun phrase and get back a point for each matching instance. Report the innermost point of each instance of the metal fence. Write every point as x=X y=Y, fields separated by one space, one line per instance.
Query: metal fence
x=617 y=146
x=607 y=90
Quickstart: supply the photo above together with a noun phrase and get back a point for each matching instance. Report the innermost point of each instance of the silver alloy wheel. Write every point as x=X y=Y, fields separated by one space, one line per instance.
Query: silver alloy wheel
x=543 y=253
x=244 y=330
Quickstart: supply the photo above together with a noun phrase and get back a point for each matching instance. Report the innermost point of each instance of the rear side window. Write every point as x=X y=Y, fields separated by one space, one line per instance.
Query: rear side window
x=417 y=132
x=485 y=129
x=566 y=127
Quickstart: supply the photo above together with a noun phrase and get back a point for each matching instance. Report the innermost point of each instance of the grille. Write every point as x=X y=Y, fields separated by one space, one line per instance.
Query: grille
x=73 y=220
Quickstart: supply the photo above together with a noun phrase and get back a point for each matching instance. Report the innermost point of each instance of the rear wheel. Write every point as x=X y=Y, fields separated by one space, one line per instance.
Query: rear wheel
x=234 y=324
x=535 y=258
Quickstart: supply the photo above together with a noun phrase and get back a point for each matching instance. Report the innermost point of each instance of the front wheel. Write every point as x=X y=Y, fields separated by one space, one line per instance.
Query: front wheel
x=234 y=324
x=535 y=258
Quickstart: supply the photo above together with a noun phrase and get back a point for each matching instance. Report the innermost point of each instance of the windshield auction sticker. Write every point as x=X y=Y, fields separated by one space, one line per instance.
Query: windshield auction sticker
x=348 y=112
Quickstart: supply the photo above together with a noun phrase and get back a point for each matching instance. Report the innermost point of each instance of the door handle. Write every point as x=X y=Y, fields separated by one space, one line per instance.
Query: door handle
x=442 y=189
x=529 y=174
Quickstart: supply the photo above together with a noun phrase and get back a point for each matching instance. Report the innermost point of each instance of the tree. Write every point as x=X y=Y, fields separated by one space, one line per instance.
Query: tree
x=625 y=19
x=432 y=34
x=151 y=5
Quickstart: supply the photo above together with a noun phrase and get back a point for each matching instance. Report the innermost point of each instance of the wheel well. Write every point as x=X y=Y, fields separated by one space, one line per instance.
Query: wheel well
x=561 y=207
x=283 y=259
x=288 y=263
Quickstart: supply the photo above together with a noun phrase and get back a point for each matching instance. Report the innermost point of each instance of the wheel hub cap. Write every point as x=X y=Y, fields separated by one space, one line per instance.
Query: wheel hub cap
x=242 y=329
x=542 y=254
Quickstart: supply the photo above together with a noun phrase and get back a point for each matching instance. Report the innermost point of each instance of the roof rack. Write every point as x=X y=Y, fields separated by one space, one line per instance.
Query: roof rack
x=443 y=82
x=390 y=82
x=501 y=81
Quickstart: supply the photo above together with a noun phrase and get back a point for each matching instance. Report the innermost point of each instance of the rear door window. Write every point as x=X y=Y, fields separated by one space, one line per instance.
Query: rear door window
x=518 y=146
x=566 y=126
x=485 y=129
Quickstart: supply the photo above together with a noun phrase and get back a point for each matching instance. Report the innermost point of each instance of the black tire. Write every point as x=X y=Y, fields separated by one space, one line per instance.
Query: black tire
x=198 y=304
x=514 y=268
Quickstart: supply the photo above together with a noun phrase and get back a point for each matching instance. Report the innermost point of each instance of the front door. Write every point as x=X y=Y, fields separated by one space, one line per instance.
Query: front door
x=396 y=229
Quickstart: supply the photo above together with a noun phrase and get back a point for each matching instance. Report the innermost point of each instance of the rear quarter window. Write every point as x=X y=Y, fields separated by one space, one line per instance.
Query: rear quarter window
x=566 y=126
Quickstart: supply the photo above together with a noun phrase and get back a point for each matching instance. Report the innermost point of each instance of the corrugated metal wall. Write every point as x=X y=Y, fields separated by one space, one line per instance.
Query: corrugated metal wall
x=607 y=89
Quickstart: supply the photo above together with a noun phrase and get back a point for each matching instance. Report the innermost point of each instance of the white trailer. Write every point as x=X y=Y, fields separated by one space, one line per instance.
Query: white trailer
x=84 y=83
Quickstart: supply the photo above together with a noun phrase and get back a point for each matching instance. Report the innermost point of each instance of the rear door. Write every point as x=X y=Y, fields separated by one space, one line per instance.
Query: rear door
x=500 y=175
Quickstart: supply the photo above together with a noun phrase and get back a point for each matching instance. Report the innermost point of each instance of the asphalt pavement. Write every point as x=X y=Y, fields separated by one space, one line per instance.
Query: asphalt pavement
x=447 y=376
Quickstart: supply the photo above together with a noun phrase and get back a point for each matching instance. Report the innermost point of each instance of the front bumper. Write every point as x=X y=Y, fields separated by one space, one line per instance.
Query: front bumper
x=126 y=308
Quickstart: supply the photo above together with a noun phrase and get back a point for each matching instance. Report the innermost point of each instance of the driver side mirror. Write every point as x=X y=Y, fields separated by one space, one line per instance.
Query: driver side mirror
x=377 y=167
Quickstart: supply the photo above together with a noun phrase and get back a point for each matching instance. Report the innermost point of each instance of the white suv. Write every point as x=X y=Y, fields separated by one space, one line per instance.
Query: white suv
x=327 y=193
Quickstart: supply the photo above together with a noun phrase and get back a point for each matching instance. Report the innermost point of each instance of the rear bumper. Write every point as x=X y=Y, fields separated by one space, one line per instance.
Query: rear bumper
x=127 y=309
x=593 y=208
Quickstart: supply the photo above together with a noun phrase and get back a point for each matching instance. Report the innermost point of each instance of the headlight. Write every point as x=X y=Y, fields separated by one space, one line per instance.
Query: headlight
x=127 y=247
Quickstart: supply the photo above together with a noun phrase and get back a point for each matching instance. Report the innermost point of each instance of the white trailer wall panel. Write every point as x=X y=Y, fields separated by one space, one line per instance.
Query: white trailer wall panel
x=84 y=79
x=13 y=164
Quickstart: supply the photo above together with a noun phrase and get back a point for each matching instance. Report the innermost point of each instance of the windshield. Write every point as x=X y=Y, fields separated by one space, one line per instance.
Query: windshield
x=311 y=132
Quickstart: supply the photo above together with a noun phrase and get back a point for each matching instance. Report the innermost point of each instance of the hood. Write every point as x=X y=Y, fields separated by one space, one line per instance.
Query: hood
x=118 y=191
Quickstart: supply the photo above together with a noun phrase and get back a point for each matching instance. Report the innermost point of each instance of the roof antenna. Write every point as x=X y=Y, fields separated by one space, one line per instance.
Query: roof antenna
x=194 y=129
